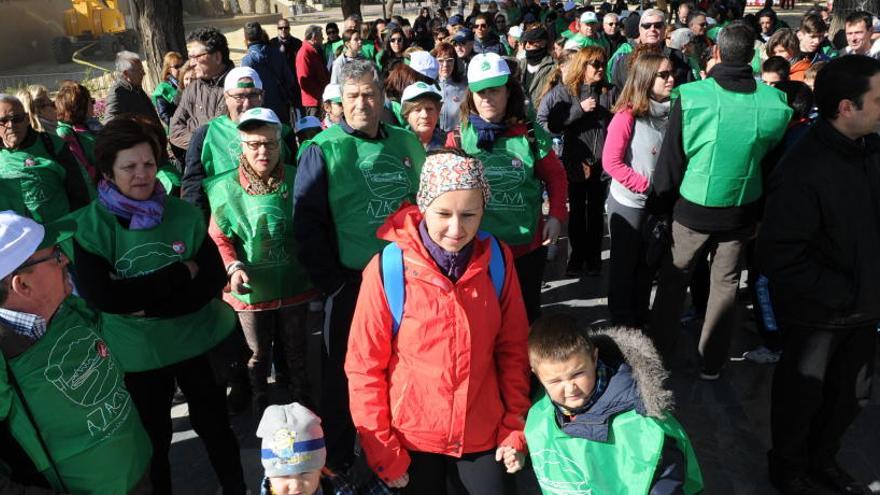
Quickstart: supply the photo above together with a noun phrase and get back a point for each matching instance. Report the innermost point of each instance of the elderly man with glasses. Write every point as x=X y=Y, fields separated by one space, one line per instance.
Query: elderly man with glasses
x=215 y=147
x=71 y=420
x=43 y=179
x=652 y=31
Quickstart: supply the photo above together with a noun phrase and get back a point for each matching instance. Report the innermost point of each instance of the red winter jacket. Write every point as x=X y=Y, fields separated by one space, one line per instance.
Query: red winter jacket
x=455 y=379
x=312 y=74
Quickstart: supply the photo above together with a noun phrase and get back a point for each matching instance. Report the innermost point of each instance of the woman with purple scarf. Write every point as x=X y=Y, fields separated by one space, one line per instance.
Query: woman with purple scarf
x=145 y=260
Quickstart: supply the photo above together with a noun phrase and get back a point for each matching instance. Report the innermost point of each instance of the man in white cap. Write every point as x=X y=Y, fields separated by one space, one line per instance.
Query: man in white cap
x=215 y=147
x=348 y=180
x=425 y=64
x=512 y=42
x=588 y=32
x=62 y=391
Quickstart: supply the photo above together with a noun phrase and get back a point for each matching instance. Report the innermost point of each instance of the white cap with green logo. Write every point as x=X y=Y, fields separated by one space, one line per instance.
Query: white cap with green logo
x=420 y=89
x=487 y=70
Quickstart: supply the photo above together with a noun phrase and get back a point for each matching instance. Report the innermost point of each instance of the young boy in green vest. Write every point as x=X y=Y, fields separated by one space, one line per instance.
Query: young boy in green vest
x=604 y=423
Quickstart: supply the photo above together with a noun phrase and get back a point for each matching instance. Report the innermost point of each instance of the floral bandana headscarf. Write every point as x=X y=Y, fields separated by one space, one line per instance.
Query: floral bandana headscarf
x=445 y=172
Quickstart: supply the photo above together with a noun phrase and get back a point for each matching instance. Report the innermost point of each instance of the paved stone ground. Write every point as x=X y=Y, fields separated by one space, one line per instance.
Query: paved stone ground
x=728 y=420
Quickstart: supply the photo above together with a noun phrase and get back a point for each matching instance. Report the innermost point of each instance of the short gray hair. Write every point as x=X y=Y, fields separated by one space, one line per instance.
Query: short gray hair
x=10 y=99
x=610 y=15
x=356 y=69
x=312 y=32
x=653 y=13
x=125 y=60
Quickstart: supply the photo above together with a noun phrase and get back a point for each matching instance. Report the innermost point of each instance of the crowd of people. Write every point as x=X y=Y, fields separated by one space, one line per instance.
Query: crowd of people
x=398 y=187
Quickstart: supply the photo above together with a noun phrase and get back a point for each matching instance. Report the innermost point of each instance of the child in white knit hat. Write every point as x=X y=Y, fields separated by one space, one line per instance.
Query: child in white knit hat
x=293 y=452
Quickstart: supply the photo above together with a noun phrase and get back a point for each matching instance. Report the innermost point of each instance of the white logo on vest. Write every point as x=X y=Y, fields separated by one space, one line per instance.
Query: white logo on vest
x=505 y=174
x=388 y=182
x=549 y=462
x=145 y=259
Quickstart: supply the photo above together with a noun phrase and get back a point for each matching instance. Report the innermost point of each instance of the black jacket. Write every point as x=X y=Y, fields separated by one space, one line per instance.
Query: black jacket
x=124 y=98
x=583 y=132
x=663 y=197
x=819 y=242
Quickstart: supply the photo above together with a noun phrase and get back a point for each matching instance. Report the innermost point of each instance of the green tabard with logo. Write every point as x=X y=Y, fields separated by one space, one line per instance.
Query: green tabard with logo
x=262 y=228
x=624 y=465
x=74 y=386
x=222 y=147
x=515 y=205
x=749 y=125
x=40 y=178
x=143 y=343
x=368 y=179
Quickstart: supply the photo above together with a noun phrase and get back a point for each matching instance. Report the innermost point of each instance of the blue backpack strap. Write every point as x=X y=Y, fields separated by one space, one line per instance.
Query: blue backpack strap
x=392 y=281
x=496 y=262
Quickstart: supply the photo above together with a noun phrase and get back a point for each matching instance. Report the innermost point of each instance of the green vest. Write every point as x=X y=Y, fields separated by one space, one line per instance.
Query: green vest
x=624 y=465
x=165 y=91
x=143 y=343
x=515 y=204
x=368 y=179
x=169 y=177
x=11 y=198
x=86 y=140
x=40 y=177
x=750 y=125
x=74 y=386
x=262 y=229
x=222 y=147
x=618 y=54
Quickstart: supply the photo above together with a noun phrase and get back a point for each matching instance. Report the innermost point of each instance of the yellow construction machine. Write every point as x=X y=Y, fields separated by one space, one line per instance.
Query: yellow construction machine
x=94 y=21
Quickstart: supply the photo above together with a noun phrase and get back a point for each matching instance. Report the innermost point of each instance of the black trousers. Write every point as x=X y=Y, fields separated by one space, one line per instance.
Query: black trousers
x=821 y=383
x=339 y=433
x=152 y=392
x=530 y=272
x=586 y=220
x=630 y=277
x=472 y=474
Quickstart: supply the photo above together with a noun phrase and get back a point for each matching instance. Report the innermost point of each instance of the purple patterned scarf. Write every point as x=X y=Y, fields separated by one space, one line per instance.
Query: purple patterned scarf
x=142 y=215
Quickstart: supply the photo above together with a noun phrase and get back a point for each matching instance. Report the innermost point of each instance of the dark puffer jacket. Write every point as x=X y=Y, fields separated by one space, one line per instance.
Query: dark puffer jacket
x=820 y=238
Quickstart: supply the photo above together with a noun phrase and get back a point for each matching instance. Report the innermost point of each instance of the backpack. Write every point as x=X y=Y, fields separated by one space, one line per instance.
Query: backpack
x=394 y=283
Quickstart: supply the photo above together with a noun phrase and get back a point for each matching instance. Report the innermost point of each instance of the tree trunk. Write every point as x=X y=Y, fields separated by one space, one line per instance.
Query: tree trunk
x=350 y=7
x=160 y=25
x=842 y=8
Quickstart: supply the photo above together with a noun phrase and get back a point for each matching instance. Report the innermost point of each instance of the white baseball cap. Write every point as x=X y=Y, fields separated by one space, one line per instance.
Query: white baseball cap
x=589 y=18
x=259 y=114
x=332 y=92
x=239 y=73
x=487 y=70
x=419 y=89
x=573 y=45
x=20 y=237
x=516 y=32
x=424 y=63
x=308 y=122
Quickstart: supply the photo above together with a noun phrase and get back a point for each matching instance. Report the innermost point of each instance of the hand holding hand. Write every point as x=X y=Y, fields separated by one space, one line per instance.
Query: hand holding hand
x=512 y=458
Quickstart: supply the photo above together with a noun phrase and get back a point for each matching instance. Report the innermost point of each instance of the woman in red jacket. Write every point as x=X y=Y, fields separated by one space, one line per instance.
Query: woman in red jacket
x=439 y=378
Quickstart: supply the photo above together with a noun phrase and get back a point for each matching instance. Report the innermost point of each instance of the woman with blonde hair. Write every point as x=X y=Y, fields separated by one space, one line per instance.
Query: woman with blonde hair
x=165 y=94
x=632 y=147
x=39 y=107
x=577 y=108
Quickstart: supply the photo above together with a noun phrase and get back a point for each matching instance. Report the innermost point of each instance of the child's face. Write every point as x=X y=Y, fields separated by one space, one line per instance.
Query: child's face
x=296 y=484
x=569 y=383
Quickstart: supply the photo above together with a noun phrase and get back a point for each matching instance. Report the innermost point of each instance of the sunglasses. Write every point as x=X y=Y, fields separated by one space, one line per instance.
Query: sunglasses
x=481 y=26
x=284 y=28
x=15 y=119
x=56 y=255
x=597 y=64
x=664 y=74
x=396 y=40
x=656 y=25
x=610 y=23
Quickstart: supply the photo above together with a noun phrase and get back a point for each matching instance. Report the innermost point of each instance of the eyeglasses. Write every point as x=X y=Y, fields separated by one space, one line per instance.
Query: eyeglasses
x=198 y=55
x=664 y=74
x=14 y=119
x=255 y=145
x=610 y=23
x=246 y=96
x=656 y=25
x=396 y=40
x=56 y=255
x=445 y=60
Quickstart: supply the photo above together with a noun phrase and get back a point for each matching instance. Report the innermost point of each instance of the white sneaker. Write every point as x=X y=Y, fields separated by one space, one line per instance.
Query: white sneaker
x=762 y=355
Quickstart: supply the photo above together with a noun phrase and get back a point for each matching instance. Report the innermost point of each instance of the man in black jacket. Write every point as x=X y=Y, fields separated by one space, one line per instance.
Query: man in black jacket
x=819 y=245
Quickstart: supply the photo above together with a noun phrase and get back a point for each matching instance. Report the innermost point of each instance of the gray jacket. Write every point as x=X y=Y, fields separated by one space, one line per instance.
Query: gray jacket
x=125 y=98
x=453 y=94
